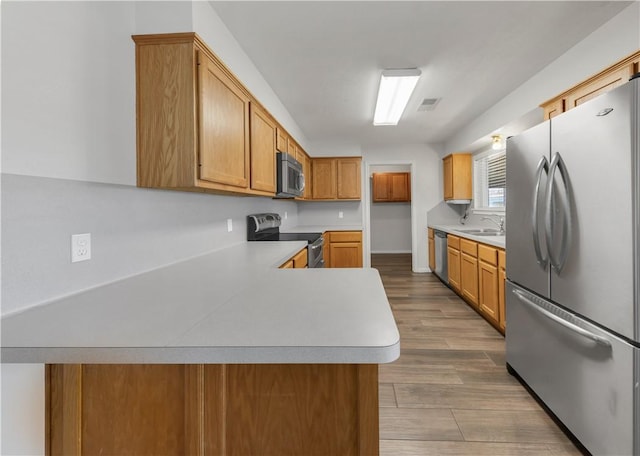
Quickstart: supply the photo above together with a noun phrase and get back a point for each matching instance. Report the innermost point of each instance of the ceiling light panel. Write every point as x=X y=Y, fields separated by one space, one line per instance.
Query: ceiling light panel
x=396 y=87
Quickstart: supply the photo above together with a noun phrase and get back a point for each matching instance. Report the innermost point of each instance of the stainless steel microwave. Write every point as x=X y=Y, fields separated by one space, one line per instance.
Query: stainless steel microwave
x=290 y=176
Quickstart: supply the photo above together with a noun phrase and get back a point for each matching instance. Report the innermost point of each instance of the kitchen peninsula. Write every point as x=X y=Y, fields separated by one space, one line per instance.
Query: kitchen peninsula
x=223 y=353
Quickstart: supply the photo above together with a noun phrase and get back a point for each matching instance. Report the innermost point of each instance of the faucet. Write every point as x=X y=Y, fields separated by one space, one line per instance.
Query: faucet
x=499 y=223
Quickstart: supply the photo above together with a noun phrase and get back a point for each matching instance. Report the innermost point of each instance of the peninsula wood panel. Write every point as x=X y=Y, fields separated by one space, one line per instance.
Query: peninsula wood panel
x=263 y=150
x=311 y=409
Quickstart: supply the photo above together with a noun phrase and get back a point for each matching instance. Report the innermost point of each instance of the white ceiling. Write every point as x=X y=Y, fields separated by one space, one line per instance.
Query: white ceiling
x=323 y=59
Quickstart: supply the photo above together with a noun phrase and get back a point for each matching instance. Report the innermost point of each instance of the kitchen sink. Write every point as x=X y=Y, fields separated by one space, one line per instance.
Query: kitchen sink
x=488 y=233
x=480 y=231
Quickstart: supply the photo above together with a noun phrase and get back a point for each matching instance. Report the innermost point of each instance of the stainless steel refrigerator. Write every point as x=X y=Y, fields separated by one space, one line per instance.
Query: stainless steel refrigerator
x=573 y=270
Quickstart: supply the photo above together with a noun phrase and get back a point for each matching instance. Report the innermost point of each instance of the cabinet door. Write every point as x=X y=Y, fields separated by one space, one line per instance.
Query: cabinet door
x=502 y=283
x=553 y=109
x=601 y=85
x=381 y=188
x=306 y=169
x=447 y=168
x=488 y=296
x=282 y=140
x=224 y=127
x=324 y=174
x=432 y=254
x=346 y=254
x=300 y=259
x=326 y=249
x=400 y=184
x=453 y=260
x=263 y=151
x=469 y=278
x=287 y=265
x=348 y=178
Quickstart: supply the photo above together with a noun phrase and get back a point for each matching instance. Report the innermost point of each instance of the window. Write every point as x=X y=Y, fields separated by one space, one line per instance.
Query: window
x=490 y=181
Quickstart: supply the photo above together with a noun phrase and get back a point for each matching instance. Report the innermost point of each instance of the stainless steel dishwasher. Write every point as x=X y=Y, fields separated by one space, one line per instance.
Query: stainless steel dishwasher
x=441 y=256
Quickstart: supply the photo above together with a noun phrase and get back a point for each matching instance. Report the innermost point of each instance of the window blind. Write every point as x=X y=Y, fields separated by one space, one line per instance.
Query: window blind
x=490 y=181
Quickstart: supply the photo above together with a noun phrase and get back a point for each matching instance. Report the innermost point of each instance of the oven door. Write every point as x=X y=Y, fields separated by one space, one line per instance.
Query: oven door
x=314 y=252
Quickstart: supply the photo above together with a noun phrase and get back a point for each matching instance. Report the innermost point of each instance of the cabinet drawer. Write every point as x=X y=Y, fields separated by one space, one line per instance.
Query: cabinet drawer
x=453 y=241
x=469 y=247
x=431 y=235
x=488 y=254
x=300 y=259
x=346 y=236
x=502 y=259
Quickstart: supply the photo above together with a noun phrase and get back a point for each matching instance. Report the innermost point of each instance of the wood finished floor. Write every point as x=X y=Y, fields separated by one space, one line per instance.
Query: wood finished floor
x=449 y=392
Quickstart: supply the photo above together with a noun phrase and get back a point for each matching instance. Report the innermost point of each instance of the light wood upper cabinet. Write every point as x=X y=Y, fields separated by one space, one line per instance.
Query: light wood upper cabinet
x=457 y=177
x=306 y=170
x=610 y=78
x=223 y=126
x=263 y=150
x=335 y=178
x=324 y=173
x=282 y=140
x=349 y=178
x=391 y=187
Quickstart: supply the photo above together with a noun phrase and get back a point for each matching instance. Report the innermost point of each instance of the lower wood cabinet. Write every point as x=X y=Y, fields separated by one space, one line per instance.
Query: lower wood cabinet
x=488 y=281
x=477 y=274
x=345 y=249
x=502 y=282
x=431 y=242
x=453 y=261
x=469 y=271
x=211 y=409
x=298 y=261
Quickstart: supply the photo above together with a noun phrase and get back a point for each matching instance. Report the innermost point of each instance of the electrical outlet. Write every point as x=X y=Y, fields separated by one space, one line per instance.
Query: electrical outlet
x=229 y=225
x=80 y=247
x=340 y=214
x=285 y=215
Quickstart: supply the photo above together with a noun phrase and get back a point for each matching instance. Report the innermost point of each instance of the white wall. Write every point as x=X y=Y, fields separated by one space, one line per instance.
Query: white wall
x=426 y=192
x=613 y=41
x=390 y=222
x=68 y=124
x=327 y=213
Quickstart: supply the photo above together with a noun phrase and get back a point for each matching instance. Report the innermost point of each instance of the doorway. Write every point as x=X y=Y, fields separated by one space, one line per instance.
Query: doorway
x=389 y=227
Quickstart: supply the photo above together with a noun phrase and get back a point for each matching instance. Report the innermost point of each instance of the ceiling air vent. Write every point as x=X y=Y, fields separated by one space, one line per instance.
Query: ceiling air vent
x=429 y=104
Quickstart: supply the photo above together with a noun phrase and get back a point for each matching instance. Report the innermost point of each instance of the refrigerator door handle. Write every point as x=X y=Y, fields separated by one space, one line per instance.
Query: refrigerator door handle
x=543 y=166
x=561 y=321
x=557 y=263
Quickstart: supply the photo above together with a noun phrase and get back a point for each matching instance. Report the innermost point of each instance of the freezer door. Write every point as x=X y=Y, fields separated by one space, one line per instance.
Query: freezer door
x=587 y=383
x=527 y=165
x=595 y=142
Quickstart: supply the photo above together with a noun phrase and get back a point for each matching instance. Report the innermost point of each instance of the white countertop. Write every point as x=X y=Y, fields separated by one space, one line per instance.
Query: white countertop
x=496 y=241
x=228 y=306
x=321 y=228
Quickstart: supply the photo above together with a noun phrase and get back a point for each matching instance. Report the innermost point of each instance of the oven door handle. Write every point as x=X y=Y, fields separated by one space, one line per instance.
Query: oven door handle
x=313 y=247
